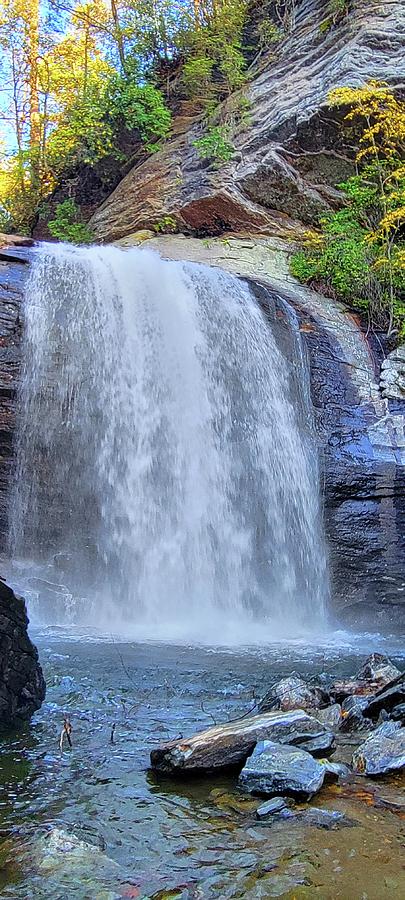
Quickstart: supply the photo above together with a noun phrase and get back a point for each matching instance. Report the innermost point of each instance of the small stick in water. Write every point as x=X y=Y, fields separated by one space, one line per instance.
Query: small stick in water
x=65 y=733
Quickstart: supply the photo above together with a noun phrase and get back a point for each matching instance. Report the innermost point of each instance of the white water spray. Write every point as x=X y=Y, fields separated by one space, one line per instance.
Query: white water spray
x=161 y=466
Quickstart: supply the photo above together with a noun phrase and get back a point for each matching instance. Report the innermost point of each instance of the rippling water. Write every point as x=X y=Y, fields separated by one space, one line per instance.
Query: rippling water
x=94 y=823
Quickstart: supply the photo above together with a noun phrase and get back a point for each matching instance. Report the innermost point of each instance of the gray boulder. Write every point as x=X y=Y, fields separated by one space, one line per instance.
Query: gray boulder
x=278 y=768
x=294 y=693
x=393 y=694
x=330 y=716
x=228 y=746
x=352 y=714
x=382 y=752
x=378 y=668
x=22 y=685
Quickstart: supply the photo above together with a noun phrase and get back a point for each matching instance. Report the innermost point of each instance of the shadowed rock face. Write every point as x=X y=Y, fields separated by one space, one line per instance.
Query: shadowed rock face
x=22 y=686
x=13 y=271
x=289 y=156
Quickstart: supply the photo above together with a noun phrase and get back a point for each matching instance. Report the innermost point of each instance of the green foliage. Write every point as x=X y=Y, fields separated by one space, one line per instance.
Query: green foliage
x=166 y=225
x=269 y=34
x=213 y=43
x=141 y=108
x=197 y=76
x=359 y=253
x=215 y=145
x=68 y=225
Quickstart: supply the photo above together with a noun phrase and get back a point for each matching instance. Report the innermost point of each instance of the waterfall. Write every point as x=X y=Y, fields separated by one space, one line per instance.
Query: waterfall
x=166 y=481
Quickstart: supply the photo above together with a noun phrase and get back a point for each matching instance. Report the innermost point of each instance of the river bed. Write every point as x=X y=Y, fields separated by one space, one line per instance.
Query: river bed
x=92 y=822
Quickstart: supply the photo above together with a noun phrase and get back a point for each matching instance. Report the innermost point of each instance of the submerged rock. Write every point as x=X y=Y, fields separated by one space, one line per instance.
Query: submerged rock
x=382 y=752
x=280 y=768
x=294 y=693
x=229 y=745
x=271 y=808
x=22 y=685
x=330 y=819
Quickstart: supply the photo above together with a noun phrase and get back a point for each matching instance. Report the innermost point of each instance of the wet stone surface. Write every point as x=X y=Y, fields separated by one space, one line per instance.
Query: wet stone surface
x=93 y=823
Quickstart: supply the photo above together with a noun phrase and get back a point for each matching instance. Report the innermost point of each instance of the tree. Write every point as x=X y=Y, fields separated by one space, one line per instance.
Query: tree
x=361 y=251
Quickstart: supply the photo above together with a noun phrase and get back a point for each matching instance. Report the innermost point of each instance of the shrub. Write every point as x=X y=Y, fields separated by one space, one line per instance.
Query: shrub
x=215 y=144
x=68 y=225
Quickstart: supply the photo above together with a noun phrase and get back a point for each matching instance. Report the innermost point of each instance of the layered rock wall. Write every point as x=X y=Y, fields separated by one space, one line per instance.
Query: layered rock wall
x=290 y=151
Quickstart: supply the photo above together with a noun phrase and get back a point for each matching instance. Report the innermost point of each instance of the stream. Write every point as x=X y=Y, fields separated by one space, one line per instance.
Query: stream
x=92 y=822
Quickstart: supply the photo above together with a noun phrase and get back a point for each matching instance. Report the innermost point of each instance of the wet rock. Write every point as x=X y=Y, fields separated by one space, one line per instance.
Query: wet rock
x=353 y=718
x=22 y=685
x=294 y=693
x=398 y=713
x=271 y=807
x=329 y=819
x=331 y=716
x=378 y=668
x=229 y=745
x=280 y=768
x=334 y=770
x=386 y=699
x=382 y=752
x=376 y=673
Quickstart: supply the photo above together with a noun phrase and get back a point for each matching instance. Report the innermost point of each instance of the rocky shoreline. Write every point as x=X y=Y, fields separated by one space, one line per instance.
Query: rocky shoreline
x=283 y=751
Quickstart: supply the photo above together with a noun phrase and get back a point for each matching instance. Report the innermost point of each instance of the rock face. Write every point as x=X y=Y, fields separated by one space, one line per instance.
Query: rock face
x=13 y=272
x=22 y=686
x=276 y=768
x=289 y=157
x=227 y=746
x=392 y=379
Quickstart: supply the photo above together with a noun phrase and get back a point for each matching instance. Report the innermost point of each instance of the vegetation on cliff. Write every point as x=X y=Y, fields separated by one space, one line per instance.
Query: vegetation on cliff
x=359 y=253
x=90 y=88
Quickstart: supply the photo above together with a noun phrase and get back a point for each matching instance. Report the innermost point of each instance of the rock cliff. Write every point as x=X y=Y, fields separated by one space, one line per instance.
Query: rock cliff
x=289 y=151
x=22 y=686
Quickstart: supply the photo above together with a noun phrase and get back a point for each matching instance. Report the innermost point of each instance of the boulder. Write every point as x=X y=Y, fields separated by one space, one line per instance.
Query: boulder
x=330 y=716
x=398 y=713
x=386 y=699
x=378 y=668
x=229 y=745
x=352 y=714
x=22 y=685
x=382 y=752
x=334 y=770
x=294 y=693
x=376 y=673
x=281 y=768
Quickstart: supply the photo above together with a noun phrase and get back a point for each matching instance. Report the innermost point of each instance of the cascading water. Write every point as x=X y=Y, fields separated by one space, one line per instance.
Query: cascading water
x=162 y=475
